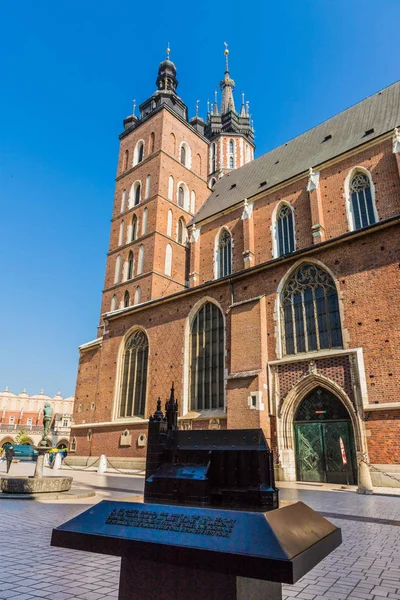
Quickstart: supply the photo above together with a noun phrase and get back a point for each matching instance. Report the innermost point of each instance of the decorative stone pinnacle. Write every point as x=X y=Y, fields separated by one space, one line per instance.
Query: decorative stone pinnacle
x=396 y=141
x=247 y=210
x=313 y=180
x=194 y=234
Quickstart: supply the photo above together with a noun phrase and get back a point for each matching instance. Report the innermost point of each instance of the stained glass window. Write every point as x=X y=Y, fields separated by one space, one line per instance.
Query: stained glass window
x=207 y=359
x=285 y=230
x=134 y=376
x=225 y=254
x=362 y=203
x=310 y=311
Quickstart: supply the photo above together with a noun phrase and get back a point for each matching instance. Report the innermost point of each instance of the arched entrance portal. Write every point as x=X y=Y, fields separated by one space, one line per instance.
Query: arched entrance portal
x=324 y=439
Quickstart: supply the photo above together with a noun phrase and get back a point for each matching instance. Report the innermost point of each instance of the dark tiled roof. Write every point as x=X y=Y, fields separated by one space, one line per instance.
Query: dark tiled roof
x=361 y=123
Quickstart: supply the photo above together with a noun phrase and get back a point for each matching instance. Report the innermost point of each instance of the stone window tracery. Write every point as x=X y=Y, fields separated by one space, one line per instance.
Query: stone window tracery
x=134 y=376
x=362 y=202
x=285 y=230
x=224 y=254
x=207 y=359
x=310 y=311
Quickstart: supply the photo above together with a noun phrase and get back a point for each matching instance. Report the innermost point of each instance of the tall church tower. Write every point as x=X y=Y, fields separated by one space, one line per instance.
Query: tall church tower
x=230 y=132
x=161 y=182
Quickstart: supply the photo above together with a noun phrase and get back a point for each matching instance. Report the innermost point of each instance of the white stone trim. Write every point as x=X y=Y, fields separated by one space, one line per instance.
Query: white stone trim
x=313 y=180
x=91 y=344
x=259 y=405
x=396 y=141
x=383 y=406
x=247 y=210
x=123 y=422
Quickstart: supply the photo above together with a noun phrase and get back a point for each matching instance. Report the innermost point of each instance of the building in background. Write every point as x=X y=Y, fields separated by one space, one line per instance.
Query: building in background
x=267 y=290
x=25 y=413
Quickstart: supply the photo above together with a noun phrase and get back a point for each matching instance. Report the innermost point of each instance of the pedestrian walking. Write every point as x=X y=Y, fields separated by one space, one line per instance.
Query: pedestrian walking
x=9 y=456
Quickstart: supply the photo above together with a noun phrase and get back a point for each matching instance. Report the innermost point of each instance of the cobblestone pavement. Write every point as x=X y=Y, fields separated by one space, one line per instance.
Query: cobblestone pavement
x=366 y=566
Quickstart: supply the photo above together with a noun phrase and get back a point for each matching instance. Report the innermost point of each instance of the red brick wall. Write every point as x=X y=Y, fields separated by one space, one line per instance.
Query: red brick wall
x=378 y=159
x=384 y=439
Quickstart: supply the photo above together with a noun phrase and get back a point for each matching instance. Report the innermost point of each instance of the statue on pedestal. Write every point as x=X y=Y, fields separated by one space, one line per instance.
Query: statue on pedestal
x=47 y=416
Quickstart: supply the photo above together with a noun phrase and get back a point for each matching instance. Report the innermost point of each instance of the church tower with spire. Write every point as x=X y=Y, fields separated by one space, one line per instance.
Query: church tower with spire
x=229 y=131
x=161 y=182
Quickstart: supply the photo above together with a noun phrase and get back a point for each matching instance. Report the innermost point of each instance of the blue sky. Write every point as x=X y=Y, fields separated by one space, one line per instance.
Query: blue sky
x=68 y=73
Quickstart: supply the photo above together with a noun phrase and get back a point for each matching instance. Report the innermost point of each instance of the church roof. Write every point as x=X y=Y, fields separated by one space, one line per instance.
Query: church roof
x=353 y=127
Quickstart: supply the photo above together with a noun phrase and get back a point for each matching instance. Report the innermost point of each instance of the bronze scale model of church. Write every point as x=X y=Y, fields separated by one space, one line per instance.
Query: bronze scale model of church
x=220 y=468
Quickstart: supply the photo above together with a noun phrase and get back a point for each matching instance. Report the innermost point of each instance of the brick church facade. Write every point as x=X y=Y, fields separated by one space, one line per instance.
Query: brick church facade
x=267 y=290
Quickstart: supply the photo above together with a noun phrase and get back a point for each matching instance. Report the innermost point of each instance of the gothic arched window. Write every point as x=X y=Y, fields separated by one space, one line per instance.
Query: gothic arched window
x=285 y=230
x=134 y=376
x=138 y=154
x=126 y=160
x=126 y=299
x=130 y=266
x=183 y=155
x=231 y=147
x=362 y=202
x=137 y=194
x=151 y=144
x=310 y=311
x=231 y=162
x=207 y=359
x=181 y=196
x=181 y=233
x=224 y=254
x=114 y=303
x=134 y=228
x=213 y=157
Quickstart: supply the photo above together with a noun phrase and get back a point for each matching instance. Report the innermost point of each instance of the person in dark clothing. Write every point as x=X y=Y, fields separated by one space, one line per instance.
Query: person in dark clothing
x=9 y=456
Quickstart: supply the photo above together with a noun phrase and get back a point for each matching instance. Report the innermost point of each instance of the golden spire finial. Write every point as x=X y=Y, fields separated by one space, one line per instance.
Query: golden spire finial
x=226 y=52
x=134 y=107
x=168 y=51
x=197 y=108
